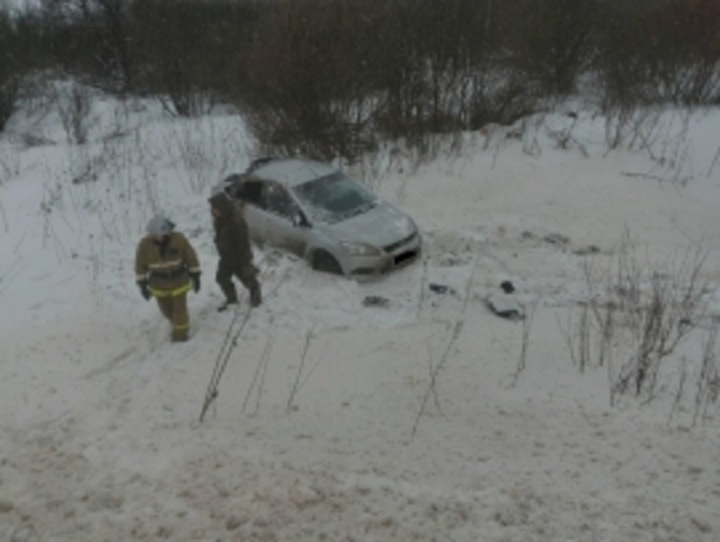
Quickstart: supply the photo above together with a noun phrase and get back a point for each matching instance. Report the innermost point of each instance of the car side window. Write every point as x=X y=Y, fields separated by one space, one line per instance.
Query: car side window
x=251 y=191
x=278 y=201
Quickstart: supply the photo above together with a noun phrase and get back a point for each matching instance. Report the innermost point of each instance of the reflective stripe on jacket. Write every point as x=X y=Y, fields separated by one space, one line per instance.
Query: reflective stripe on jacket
x=166 y=265
x=171 y=293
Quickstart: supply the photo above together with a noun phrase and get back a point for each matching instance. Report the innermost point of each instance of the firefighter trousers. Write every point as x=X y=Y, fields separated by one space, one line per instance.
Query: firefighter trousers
x=174 y=308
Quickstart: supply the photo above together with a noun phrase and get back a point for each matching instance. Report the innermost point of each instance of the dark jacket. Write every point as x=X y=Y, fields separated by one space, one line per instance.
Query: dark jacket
x=232 y=237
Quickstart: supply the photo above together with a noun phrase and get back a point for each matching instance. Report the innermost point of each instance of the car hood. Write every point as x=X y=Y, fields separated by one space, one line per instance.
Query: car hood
x=380 y=226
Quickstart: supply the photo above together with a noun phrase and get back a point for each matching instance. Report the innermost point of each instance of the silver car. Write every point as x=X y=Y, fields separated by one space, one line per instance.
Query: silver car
x=317 y=212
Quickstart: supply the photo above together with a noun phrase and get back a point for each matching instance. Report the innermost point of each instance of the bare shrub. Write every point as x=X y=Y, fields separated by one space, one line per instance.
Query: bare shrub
x=89 y=165
x=305 y=97
x=398 y=71
x=205 y=151
x=564 y=137
x=653 y=52
x=112 y=19
x=549 y=39
x=433 y=48
x=9 y=70
x=659 y=133
x=90 y=39
x=183 y=98
x=6 y=225
x=636 y=315
x=186 y=64
x=501 y=95
x=74 y=105
x=338 y=80
x=578 y=339
x=9 y=88
x=9 y=164
x=525 y=341
x=450 y=71
x=708 y=380
x=454 y=329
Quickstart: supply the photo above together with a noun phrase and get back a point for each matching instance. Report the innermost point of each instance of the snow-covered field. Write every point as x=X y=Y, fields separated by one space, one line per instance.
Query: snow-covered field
x=418 y=420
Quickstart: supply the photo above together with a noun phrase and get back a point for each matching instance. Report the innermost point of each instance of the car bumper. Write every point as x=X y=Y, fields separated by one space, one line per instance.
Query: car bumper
x=392 y=258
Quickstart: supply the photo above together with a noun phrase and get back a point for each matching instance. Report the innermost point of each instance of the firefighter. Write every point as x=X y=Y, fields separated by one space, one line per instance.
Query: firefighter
x=232 y=240
x=167 y=267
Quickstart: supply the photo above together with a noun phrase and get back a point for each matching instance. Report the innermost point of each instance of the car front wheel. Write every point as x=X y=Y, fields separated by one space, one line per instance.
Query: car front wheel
x=326 y=263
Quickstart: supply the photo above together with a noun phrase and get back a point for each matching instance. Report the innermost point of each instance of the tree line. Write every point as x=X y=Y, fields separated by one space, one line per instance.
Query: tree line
x=336 y=78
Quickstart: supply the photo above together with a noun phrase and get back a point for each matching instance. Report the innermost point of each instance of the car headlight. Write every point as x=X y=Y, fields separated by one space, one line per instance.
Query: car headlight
x=360 y=249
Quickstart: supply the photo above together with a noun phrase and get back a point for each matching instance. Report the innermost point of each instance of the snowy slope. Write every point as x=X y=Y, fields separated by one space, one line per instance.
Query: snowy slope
x=336 y=420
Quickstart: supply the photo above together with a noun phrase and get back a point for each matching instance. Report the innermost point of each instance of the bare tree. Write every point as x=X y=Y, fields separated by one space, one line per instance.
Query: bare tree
x=9 y=69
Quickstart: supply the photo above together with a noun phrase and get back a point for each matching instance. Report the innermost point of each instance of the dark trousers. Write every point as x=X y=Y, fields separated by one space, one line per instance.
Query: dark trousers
x=247 y=274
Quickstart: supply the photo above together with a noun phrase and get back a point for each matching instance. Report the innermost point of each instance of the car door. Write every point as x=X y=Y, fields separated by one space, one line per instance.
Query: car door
x=251 y=193
x=281 y=225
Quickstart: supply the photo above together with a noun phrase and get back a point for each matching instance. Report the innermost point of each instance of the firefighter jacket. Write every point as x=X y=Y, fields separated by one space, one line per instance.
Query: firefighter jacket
x=231 y=233
x=166 y=264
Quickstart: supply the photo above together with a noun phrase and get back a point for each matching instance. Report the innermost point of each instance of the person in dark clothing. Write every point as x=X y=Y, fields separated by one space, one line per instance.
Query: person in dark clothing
x=232 y=240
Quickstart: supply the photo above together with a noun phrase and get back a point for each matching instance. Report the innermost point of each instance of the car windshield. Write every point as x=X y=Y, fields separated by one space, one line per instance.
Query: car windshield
x=334 y=198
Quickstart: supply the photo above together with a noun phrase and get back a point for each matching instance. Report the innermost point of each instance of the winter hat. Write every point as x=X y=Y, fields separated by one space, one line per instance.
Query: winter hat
x=217 y=189
x=160 y=225
x=226 y=187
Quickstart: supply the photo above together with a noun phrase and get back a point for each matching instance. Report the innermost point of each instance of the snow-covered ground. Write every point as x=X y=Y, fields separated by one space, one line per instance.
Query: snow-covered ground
x=336 y=420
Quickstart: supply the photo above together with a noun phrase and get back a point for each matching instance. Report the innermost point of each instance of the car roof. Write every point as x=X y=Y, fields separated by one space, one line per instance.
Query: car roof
x=292 y=171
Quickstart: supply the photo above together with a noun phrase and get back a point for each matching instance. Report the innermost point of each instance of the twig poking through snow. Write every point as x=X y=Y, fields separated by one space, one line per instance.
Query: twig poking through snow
x=228 y=346
x=434 y=373
x=4 y=218
x=227 y=349
x=430 y=368
x=308 y=339
x=460 y=322
x=423 y=282
x=259 y=373
x=714 y=163
x=526 y=327
x=708 y=383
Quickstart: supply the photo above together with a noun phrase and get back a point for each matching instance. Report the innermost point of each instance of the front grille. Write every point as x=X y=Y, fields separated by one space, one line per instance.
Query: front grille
x=394 y=246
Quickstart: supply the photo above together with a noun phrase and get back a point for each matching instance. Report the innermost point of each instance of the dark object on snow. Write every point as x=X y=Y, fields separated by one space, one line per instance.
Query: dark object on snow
x=508 y=314
x=375 y=301
x=507 y=287
x=505 y=305
x=440 y=288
